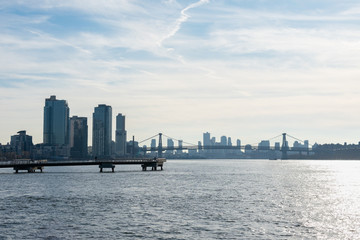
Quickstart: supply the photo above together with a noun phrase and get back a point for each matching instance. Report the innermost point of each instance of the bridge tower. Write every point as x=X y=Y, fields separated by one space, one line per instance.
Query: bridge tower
x=284 y=147
x=160 y=148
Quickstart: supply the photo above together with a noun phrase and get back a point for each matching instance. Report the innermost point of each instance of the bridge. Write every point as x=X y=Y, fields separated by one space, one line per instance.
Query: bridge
x=33 y=165
x=284 y=148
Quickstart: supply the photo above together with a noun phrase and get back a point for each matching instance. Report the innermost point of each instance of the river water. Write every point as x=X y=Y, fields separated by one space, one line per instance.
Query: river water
x=190 y=199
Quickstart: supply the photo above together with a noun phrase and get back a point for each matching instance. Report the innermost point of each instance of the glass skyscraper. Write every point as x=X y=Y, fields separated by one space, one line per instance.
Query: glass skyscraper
x=78 y=137
x=56 y=122
x=120 y=135
x=102 y=129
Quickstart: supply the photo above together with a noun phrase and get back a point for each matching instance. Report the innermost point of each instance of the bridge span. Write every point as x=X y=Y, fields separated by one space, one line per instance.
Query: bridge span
x=284 y=148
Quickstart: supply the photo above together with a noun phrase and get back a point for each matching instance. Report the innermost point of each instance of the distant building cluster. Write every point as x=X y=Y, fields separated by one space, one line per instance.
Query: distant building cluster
x=225 y=149
x=66 y=137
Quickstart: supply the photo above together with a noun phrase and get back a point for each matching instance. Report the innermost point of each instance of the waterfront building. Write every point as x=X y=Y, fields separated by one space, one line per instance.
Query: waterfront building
x=132 y=147
x=56 y=122
x=51 y=152
x=180 y=143
x=229 y=142
x=113 y=148
x=102 y=131
x=206 y=142
x=277 y=146
x=170 y=146
x=297 y=145
x=206 y=139
x=22 y=144
x=199 y=147
x=7 y=152
x=120 y=135
x=264 y=145
x=78 y=137
x=213 y=141
x=223 y=140
x=153 y=146
x=306 y=144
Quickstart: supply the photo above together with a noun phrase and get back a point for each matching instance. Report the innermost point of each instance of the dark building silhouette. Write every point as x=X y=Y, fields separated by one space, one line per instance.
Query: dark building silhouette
x=206 y=139
x=223 y=140
x=56 y=122
x=22 y=144
x=120 y=135
x=78 y=137
x=102 y=125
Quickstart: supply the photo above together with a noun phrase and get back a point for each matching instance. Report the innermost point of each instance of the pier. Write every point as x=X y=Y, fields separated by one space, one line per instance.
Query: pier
x=33 y=165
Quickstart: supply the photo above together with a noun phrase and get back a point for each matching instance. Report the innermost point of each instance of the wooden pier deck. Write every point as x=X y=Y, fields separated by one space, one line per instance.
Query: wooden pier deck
x=33 y=165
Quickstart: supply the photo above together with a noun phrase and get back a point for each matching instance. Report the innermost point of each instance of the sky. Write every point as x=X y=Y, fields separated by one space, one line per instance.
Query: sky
x=246 y=69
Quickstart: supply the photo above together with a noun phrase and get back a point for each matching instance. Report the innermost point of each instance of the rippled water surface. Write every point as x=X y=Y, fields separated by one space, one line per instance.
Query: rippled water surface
x=190 y=199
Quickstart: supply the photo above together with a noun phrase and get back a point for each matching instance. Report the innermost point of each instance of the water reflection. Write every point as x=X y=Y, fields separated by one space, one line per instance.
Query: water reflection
x=199 y=199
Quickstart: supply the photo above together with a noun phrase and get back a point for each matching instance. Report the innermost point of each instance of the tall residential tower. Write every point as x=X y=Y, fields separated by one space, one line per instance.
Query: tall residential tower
x=78 y=137
x=120 y=135
x=102 y=133
x=56 y=122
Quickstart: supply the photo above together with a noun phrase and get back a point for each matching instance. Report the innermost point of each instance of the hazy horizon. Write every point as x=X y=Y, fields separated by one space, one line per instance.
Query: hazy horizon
x=249 y=70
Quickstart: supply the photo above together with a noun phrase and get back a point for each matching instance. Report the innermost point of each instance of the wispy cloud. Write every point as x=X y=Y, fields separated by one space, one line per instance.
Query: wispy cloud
x=63 y=42
x=219 y=65
x=183 y=18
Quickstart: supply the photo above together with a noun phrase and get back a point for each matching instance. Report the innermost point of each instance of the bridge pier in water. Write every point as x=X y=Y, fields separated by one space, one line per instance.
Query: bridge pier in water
x=107 y=165
x=154 y=165
x=29 y=169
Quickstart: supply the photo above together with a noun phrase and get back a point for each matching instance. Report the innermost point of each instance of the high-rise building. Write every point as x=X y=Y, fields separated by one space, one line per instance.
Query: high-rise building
x=170 y=146
x=153 y=146
x=78 y=137
x=102 y=131
x=306 y=144
x=213 y=141
x=264 y=145
x=180 y=143
x=229 y=142
x=56 y=122
x=206 y=139
x=223 y=140
x=22 y=144
x=120 y=135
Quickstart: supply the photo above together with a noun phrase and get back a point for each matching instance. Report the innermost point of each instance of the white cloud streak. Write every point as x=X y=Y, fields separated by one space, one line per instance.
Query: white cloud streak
x=183 y=18
x=262 y=77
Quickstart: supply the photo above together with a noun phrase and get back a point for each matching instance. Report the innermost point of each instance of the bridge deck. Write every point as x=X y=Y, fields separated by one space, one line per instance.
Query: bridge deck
x=39 y=164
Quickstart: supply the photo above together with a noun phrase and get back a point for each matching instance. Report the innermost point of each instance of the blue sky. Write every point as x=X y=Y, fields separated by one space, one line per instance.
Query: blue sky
x=245 y=69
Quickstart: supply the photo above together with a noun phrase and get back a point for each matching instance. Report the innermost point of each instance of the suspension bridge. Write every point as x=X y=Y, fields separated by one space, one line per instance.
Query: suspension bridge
x=284 y=148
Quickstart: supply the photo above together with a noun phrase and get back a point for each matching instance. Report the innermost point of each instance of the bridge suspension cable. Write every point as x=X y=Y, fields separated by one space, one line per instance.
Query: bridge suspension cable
x=267 y=140
x=149 y=138
x=297 y=139
x=178 y=140
x=275 y=137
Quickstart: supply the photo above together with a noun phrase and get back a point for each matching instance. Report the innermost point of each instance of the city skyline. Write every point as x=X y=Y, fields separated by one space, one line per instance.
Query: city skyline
x=103 y=113
x=248 y=70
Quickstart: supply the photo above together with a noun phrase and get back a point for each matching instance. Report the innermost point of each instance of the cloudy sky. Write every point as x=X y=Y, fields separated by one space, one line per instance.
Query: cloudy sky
x=248 y=69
